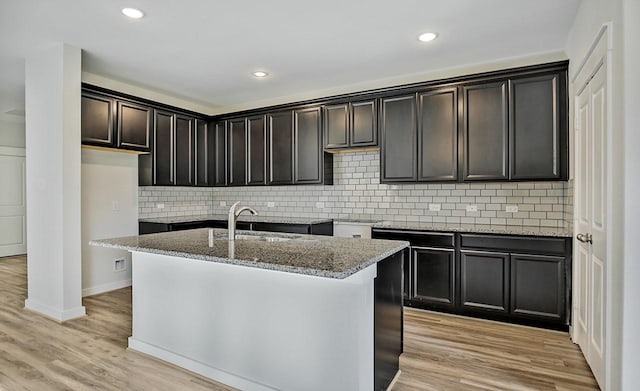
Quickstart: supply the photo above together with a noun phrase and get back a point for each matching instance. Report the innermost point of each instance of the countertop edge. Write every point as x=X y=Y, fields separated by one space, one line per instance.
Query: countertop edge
x=258 y=265
x=559 y=233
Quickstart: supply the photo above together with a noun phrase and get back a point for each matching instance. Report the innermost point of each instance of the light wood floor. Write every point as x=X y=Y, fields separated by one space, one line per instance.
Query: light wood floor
x=441 y=352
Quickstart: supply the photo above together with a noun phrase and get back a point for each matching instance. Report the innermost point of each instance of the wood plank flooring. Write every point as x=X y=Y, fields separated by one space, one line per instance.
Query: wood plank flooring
x=441 y=352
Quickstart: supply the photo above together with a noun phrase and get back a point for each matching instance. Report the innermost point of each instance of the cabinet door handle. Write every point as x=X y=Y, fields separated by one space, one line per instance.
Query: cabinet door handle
x=585 y=238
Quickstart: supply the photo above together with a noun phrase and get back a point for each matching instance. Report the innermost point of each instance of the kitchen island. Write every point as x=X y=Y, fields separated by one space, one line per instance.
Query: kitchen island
x=269 y=311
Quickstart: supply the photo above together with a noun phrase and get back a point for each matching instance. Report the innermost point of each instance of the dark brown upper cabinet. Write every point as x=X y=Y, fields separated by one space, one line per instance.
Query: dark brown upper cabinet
x=184 y=157
x=281 y=155
x=398 y=138
x=97 y=119
x=237 y=151
x=538 y=127
x=257 y=150
x=438 y=135
x=308 y=146
x=134 y=126
x=163 y=146
x=485 y=132
x=220 y=136
x=204 y=149
x=351 y=125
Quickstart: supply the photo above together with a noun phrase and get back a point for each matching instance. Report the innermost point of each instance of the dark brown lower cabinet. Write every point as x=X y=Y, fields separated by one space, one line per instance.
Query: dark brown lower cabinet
x=434 y=272
x=484 y=281
x=520 y=279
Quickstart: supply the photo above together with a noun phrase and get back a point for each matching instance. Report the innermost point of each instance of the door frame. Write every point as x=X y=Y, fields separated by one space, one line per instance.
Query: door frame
x=600 y=53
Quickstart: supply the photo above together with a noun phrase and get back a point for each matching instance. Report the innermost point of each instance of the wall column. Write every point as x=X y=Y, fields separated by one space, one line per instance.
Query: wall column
x=54 y=267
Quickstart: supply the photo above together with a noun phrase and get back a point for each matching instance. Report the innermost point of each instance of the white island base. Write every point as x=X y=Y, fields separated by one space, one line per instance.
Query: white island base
x=255 y=329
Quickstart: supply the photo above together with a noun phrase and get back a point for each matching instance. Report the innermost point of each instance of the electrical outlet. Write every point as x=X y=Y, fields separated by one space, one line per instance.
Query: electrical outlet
x=435 y=207
x=119 y=265
x=319 y=205
x=223 y=203
x=115 y=206
x=512 y=208
x=472 y=208
x=271 y=204
x=160 y=206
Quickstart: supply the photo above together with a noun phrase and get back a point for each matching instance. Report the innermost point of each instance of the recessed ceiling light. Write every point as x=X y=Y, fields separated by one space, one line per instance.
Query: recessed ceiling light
x=133 y=13
x=260 y=74
x=427 y=37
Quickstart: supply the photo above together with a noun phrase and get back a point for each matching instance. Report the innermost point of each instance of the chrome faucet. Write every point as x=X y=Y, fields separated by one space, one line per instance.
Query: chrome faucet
x=233 y=218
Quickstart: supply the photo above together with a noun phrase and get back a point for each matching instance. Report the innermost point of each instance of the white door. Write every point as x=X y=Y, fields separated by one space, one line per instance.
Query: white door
x=590 y=244
x=13 y=221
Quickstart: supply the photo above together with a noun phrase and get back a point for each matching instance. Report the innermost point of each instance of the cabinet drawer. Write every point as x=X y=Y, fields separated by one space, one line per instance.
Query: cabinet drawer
x=527 y=244
x=417 y=238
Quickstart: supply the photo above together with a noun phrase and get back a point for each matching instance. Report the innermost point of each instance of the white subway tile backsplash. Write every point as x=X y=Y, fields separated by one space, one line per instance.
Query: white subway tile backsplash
x=357 y=193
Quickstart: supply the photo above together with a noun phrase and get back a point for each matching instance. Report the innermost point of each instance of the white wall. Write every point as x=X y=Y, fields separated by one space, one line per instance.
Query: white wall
x=109 y=209
x=12 y=133
x=591 y=16
x=631 y=309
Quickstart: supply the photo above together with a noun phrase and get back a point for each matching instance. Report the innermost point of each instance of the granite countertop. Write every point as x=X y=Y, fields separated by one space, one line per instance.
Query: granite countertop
x=243 y=217
x=314 y=255
x=477 y=228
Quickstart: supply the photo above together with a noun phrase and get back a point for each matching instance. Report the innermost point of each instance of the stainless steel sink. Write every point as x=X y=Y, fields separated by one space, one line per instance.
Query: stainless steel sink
x=263 y=238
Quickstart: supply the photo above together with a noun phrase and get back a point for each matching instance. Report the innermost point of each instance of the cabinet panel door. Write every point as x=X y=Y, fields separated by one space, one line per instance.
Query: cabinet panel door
x=134 y=126
x=280 y=148
x=438 y=135
x=336 y=126
x=364 y=126
x=308 y=146
x=163 y=147
x=237 y=151
x=184 y=155
x=257 y=150
x=485 y=132
x=537 y=286
x=398 y=131
x=535 y=127
x=97 y=118
x=204 y=153
x=434 y=273
x=484 y=281
x=220 y=153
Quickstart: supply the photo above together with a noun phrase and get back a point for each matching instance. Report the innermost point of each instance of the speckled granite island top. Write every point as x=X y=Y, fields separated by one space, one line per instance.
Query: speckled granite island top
x=314 y=255
x=477 y=228
x=244 y=217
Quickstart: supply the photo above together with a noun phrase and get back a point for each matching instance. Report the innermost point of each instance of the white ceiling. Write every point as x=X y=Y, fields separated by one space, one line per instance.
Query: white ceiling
x=205 y=50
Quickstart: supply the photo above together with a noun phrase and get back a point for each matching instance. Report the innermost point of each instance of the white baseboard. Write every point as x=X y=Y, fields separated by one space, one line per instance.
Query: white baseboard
x=197 y=367
x=54 y=313
x=112 y=286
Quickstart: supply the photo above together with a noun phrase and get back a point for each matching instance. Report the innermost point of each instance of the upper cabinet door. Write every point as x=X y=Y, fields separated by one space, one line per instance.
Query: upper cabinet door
x=134 y=126
x=364 y=127
x=237 y=151
x=163 y=136
x=538 y=127
x=280 y=127
x=485 y=132
x=220 y=158
x=398 y=132
x=204 y=154
x=97 y=119
x=308 y=146
x=438 y=135
x=184 y=151
x=336 y=126
x=257 y=150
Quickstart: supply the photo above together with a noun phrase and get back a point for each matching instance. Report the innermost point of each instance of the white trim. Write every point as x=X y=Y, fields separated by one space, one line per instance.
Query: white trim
x=604 y=31
x=111 y=286
x=12 y=151
x=197 y=367
x=53 y=313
